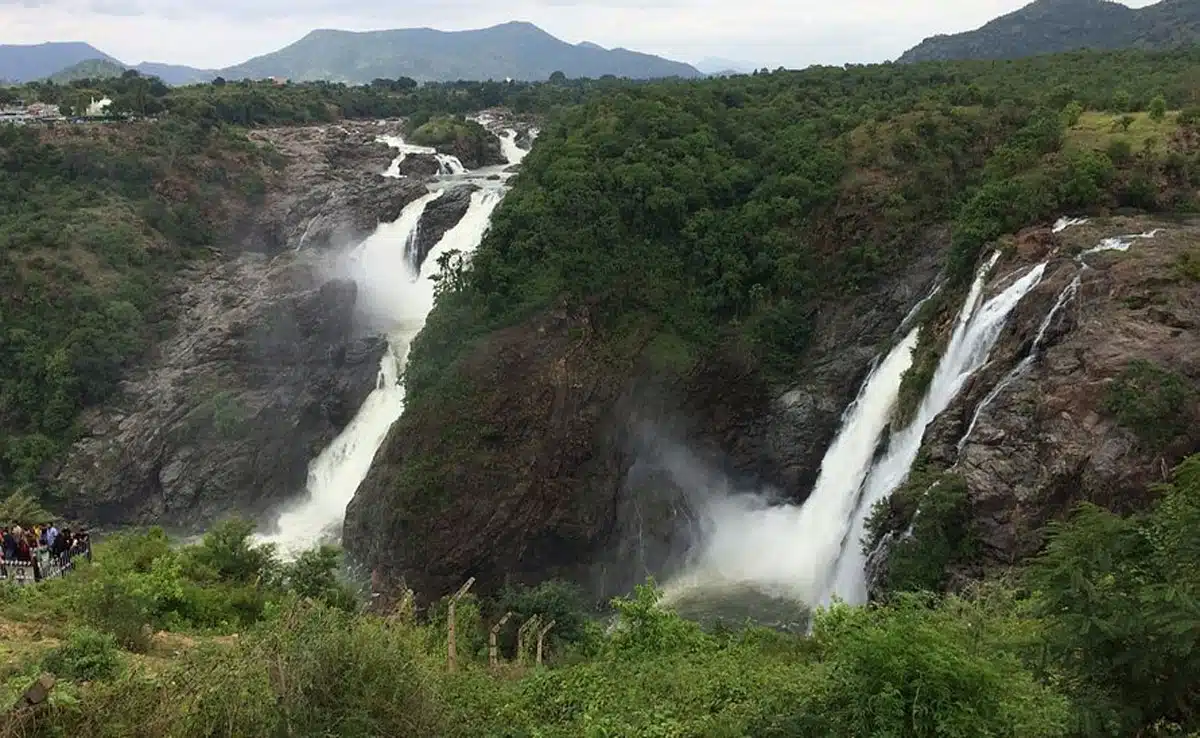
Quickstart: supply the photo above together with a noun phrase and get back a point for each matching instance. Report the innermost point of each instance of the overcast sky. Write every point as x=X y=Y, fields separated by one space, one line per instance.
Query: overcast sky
x=791 y=33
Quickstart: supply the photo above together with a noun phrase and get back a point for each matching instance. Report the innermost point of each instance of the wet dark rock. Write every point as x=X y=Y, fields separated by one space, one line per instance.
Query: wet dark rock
x=420 y=165
x=439 y=217
x=1047 y=441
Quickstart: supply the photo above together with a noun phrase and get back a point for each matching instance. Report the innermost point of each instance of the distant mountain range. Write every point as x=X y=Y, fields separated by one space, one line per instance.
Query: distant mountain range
x=1053 y=26
x=514 y=50
x=716 y=65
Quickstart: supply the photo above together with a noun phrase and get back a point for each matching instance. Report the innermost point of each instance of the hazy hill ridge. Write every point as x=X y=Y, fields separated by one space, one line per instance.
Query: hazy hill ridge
x=1053 y=26
x=518 y=50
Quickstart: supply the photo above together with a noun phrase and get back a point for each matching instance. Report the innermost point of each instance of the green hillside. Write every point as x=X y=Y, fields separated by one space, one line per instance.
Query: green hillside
x=88 y=69
x=512 y=50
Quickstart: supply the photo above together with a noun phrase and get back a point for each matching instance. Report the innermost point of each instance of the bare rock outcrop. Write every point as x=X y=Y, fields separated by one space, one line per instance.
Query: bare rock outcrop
x=329 y=191
x=262 y=372
x=439 y=217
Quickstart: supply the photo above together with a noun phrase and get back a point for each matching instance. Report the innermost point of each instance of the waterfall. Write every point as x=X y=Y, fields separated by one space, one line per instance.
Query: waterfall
x=812 y=552
x=975 y=333
x=1064 y=223
x=396 y=301
x=788 y=550
x=508 y=144
x=448 y=165
x=1064 y=297
x=916 y=309
x=1118 y=243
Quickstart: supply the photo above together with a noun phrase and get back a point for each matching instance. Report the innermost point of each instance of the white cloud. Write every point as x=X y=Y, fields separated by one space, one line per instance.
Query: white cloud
x=793 y=33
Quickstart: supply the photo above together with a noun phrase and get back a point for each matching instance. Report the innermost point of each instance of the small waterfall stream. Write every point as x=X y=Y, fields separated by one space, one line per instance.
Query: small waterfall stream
x=395 y=299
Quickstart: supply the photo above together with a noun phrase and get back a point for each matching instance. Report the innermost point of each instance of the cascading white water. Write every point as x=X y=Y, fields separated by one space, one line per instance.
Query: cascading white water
x=785 y=550
x=447 y=164
x=396 y=301
x=1118 y=243
x=813 y=552
x=975 y=333
x=508 y=145
x=1064 y=298
x=1064 y=223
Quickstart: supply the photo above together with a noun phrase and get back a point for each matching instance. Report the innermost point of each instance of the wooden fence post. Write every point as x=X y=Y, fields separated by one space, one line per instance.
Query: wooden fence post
x=493 y=649
x=527 y=626
x=451 y=646
x=541 y=638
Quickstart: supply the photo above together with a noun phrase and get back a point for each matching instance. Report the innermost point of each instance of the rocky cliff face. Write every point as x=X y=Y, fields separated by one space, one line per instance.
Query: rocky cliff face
x=259 y=376
x=264 y=365
x=330 y=192
x=549 y=461
x=1108 y=406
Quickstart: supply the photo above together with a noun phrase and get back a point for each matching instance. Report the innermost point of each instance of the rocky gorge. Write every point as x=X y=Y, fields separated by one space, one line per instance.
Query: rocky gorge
x=560 y=448
x=267 y=358
x=584 y=471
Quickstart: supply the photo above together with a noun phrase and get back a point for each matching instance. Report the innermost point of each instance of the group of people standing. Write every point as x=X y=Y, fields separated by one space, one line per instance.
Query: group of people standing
x=48 y=549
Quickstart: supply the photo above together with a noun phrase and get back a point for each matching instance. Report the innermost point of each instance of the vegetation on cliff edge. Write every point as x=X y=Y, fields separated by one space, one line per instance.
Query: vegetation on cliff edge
x=93 y=223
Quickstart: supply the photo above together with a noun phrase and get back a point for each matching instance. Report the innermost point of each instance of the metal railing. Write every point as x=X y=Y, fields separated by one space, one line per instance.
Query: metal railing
x=44 y=565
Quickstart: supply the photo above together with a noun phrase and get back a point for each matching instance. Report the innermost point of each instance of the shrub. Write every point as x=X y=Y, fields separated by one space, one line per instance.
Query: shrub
x=911 y=669
x=942 y=536
x=113 y=607
x=1158 y=109
x=228 y=554
x=1119 y=151
x=555 y=600
x=1151 y=401
x=1188 y=265
x=1118 y=596
x=1071 y=114
x=314 y=574
x=87 y=656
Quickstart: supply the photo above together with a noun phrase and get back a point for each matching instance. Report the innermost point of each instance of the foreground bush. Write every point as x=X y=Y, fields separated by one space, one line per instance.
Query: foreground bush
x=1102 y=643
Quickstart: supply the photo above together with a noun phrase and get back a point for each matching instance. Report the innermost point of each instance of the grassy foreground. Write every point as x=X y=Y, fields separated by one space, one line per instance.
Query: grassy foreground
x=221 y=639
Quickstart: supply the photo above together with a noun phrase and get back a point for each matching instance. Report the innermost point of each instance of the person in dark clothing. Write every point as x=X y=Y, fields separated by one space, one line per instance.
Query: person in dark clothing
x=9 y=545
x=62 y=543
